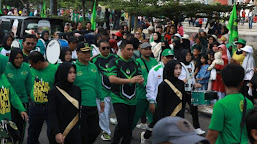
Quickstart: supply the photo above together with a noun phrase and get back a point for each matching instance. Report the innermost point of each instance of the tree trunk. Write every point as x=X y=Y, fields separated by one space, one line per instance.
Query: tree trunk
x=55 y=3
x=83 y=12
x=135 y=23
x=129 y=24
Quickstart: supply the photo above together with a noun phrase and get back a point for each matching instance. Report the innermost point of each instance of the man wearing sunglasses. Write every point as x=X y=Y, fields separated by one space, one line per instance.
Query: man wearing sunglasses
x=28 y=45
x=101 y=61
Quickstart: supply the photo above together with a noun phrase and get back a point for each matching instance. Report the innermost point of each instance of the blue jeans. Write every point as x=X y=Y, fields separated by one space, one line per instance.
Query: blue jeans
x=204 y=86
x=250 y=22
x=37 y=116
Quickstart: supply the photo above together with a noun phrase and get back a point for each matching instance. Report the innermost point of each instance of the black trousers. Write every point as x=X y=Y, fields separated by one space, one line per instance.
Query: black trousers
x=89 y=124
x=194 y=111
x=125 y=116
x=20 y=123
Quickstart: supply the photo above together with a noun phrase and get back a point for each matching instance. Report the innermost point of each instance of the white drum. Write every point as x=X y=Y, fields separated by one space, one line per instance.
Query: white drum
x=53 y=50
x=16 y=43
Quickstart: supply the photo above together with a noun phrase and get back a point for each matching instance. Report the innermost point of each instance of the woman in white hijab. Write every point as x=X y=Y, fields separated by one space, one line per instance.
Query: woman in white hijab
x=249 y=66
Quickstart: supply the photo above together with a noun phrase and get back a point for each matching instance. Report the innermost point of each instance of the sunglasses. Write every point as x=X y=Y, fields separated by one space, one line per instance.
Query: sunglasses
x=29 y=43
x=106 y=48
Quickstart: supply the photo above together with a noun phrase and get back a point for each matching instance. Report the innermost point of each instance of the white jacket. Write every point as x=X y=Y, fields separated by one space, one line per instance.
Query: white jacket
x=155 y=77
x=185 y=74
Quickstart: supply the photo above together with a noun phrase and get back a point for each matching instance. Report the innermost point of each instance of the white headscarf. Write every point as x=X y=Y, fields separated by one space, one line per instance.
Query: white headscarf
x=249 y=62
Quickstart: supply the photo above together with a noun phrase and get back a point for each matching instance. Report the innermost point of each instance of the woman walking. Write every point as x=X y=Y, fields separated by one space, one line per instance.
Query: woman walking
x=63 y=107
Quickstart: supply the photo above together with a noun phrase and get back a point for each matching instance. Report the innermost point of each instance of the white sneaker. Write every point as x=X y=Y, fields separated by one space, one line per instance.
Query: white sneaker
x=113 y=121
x=199 y=131
x=142 y=126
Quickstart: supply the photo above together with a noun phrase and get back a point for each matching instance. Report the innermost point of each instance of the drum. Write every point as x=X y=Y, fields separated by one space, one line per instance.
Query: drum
x=203 y=97
x=53 y=50
x=15 y=43
x=9 y=133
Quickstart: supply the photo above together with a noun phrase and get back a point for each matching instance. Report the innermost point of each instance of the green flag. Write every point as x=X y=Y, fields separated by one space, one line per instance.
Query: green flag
x=93 y=18
x=43 y=11
x=232 y=25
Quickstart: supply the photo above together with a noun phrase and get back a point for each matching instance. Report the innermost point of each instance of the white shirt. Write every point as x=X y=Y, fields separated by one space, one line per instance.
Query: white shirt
x=4 y=52
x=155 y=77
x=74 y=55
x=185 y=74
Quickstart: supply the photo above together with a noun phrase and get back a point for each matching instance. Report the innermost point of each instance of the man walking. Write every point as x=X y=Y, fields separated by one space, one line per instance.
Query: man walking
x=102 y=61
x=89 y=80
x=124 y=74
x=43 y=79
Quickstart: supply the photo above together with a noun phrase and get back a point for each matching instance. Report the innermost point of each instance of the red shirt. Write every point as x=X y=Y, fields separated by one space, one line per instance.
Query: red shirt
x=243 y=14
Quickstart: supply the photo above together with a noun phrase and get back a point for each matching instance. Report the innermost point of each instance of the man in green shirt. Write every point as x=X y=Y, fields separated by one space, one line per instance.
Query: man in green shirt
x=102 y=61
x=89 y=80
x=43 y=74
x=225 y=126
x=146 y=63
x=28 y=46
x=124 y=74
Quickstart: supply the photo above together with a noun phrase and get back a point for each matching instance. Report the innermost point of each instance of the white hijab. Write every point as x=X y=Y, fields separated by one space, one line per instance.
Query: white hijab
x=249 y=62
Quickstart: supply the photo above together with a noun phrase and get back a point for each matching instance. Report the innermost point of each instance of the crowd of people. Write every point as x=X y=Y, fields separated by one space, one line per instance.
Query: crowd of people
x=136 y=75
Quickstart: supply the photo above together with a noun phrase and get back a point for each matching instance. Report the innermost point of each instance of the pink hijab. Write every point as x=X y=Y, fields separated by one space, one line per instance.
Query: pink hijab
x=224 y=53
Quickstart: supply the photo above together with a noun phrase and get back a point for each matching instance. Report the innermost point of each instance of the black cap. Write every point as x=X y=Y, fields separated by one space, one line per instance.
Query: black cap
x=73 y=39
x=83 y=46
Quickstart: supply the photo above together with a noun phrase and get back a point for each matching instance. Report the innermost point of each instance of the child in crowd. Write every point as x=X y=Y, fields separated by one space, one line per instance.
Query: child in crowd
x=187 y=75
x=203 y=75
x=196 y=58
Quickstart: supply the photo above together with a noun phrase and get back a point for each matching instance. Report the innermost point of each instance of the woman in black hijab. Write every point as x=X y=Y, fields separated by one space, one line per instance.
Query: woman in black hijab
x=169 y=102
x=6 y=45
x=62 y=111
x=167 y=99
x=19 y=75
x=45 y=36
x=66 y=55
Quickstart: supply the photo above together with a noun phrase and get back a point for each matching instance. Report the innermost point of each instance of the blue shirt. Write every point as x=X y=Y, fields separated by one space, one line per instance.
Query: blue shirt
x=203 y=73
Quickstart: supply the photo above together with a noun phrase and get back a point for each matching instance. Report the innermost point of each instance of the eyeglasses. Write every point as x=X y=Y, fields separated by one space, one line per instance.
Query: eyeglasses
x=106 y=48
x=29 y=43
x=137 y=33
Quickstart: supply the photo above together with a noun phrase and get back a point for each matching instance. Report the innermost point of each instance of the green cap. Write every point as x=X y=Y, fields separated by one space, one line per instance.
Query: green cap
x=241 y=41
x=168 y=52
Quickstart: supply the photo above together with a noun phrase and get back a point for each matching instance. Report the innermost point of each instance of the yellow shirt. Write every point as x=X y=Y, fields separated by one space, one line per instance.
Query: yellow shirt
x=238 y=57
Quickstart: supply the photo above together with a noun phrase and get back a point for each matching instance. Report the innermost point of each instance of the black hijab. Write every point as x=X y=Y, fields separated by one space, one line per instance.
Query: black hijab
x=63 y=52
x=4 y=42
x=61 y=76
x=183 y=56
x=13 y=54
x=159 y=38
x=168 y=72
x=42 y=35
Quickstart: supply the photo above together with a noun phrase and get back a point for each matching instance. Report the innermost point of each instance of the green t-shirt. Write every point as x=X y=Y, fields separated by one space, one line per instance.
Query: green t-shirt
x=8 y=97
x=226 y=119
x=125 y=69
x=102 y=64
x=20 y=79
x=141 y=90
x=43 y=81
x=3 y=62
x=89 y=81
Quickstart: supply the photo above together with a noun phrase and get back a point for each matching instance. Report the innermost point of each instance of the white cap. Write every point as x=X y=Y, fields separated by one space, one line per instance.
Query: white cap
x=248 y=49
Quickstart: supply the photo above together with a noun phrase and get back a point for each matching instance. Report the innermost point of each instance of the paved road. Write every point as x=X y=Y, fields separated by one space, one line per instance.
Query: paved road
x=204 y=122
